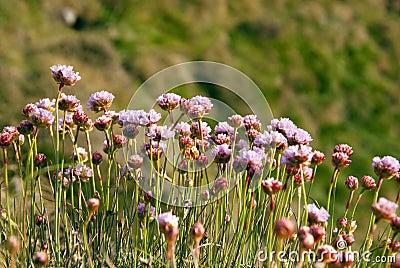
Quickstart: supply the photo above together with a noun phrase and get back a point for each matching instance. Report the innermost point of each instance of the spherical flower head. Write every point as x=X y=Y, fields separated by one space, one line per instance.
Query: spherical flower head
x=221 y=184
x=168 y=101
x=103 y=123
x=157 y=133
x=64 y=75
x=97 y=158
x=318 y=232
x=100 y=101
x=385 y=167
x=351 y=183
x=41 y=117
x=317 y=215
x=158 y=148
x=167 y=221
x=13 y=244
x=283 y=125
x=384 y=209
x=83 y=172
x=6 y=139
x=153 y=116
x=340 y=160
x=254 y=158
x=297 y=155
x=80 y=118
x=251 y=122
x=285 y=228
x=317 y=158
x=93 y=204
x=40 y=258
x=119 y=141
x=197 y=231
x=307 y=176
x=13 y=131
x=271 y=186
x=130 y=131
x=368 y=183
x=25 y=127
x=196 y=107
x=28 y=109
x=221 y=153
x=135 y=161
x=343 y=148
x=202 y=161
x=40 y=160
x=183 y=129
x=236 y=121
x=263 y=140
x=298 y=136
x=349 y=238
x=68 y=103
x=46 y=104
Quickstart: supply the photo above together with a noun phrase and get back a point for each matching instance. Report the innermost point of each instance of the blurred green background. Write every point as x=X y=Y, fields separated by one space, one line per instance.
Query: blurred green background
x=333 y=67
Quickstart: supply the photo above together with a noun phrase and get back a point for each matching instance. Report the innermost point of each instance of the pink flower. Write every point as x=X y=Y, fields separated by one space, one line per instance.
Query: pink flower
x=343 y=148
x=64 y=75
x=317 y=215
x=168 y=101
x=297 y=155
x=100 y=101
x=271 y=186
x=385 y=167
x=384 y=209
x=196 y=107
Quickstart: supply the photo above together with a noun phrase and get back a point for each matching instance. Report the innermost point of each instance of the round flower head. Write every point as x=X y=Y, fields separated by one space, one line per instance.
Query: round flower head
x=100 y=101
x=285 y=228
x=384 y=209
x=235 y=121
x=306 y=239
x=143 y=210
x=297 y=155
x=196 y=107
x=221 y=138
x=317 y=215
x=197 y=231
x=385 y=167
x=81 y=155
x=168 y=101
x=318 y=232
x=40 y=160
x=271 y=186
x=343 y=148
x=200 y=133
x=68 y=103
x=340 y=160
x=395 y=224
x=64 y=75
x=80 y=118
x=299 y=136
x=103 y=123
x=130 y=131
x=25 y=127
x=158 y=133
x=93 y=204
x=223 y=128
x=136 y=117
x=283 y=125
x=317 y=158
x=221 y=153
x=41 y=117
x=40 y=258
x=119 y=141
x=251 y=122
x=183 y=129
x=352 y=183
x=368 y=183
x=135 y=161
x=97 y=158
x=83 y=172
x=166 y=221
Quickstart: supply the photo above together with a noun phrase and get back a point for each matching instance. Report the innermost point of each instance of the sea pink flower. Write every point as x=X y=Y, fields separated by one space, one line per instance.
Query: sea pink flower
x=297 y=155
x=271 y=186
x=384 y=209
x=352 y=183
x=103 y=123
x=368 y=183
x=41 y=117
x=340 y=160
x=183 y=129
x=251 y=122
x=168 y=101
x=385 y=167
x=64 y=75
x=235 y=121
x=221 y=153
x=343 y=148
x=68 y=103
x=196 y=107
x=100 y=101
x=317 y=215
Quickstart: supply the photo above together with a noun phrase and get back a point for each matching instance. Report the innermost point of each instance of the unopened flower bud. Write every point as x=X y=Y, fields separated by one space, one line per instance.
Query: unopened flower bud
x=40 y=258
x=97 y=158
x=285 y=228
x=40 y=160
x=93 y=204
x=197 y=231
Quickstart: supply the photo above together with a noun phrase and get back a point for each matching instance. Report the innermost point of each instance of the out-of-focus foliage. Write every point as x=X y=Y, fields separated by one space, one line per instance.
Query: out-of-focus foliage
x=331 y=66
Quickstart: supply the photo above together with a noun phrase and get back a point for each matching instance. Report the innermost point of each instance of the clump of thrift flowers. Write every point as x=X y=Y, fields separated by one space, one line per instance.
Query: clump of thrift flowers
x=230 y=187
